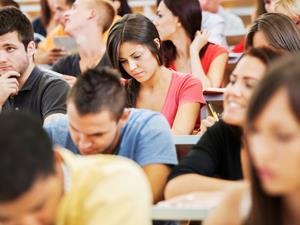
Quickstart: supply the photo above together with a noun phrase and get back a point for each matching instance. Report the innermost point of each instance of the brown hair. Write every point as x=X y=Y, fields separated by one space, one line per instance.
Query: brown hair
x=280 y=31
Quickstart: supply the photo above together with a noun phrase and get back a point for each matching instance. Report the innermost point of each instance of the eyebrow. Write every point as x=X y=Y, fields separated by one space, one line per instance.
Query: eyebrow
x=129 y=55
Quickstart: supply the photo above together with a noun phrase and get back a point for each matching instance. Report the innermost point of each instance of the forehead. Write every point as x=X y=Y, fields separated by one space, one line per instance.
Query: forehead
x=10 y=38
x=163 y=8
x=250 y=67
x=128 y=47
x=89 y=122
x=277 y=107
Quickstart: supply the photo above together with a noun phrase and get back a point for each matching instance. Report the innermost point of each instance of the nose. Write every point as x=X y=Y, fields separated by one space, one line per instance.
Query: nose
x=132 y=64
x=84 y=142
x=235 y=89
x=3 y=57
x=30 y=220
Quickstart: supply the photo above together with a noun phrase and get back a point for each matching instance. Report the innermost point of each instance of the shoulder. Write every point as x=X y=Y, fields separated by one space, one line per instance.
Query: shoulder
x=214 y=49
x=181 y=79
x=141 y=121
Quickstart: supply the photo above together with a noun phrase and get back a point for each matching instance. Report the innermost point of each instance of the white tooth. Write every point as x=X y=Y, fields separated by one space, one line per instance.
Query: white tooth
x=234 y=105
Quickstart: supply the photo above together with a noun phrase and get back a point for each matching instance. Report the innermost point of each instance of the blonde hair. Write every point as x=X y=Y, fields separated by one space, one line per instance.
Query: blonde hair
x=105 y=11
x=291 y=6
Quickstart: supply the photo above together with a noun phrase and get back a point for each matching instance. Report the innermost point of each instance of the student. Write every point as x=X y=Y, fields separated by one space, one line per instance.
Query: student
x=233 y=23
x=47 y=52
x=42 y=186
x=86 y=17
x=274 y=30
x=134 y=48
x=185 y=46
x=98 y=122
x=47 y=20
x=291 y=8
x=122 y=7
x=273 y=137
x=214 y=162
x=23 y=86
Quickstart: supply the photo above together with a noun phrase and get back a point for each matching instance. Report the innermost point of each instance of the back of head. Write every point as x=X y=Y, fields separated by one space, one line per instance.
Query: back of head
x=291 y=7
x=13 y=20
x=5 y=3
x=26 y=154
x=189 y=14
x=279 y=30
x=98 y=90
x=134 y=28
x=105 y=12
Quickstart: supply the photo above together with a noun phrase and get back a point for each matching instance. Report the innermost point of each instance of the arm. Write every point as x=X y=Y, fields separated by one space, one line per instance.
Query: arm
x=195 y=182
x=52 y=117
x=216 y=70
x=157 y=175
x=155 y=152
x=229 y=212
x=184 y=124
x=198 y=43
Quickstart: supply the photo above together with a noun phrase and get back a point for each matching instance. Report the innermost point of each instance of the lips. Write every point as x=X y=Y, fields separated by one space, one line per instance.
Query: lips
x=137 y=74
x=265 y=174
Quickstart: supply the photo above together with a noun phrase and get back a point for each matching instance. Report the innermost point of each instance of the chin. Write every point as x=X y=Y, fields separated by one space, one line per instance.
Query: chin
x=232 y=120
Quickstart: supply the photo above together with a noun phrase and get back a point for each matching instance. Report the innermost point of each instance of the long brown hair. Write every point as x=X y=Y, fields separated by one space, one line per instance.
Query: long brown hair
x=280 y=31
x=268 y=209
x=190 y=16
x=132 y=28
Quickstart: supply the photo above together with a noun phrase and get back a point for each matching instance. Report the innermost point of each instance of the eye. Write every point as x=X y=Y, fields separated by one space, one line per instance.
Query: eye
x=122 y=61
x=283 y=136
x=10 y=49
x=137 y=56
x=232 y=80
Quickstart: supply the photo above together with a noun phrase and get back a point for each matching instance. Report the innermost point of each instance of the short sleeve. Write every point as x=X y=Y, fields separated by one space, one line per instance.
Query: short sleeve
x=155 y=143
x=191 y=91
x=205 y=156
x=212 y=52
x=54 y=97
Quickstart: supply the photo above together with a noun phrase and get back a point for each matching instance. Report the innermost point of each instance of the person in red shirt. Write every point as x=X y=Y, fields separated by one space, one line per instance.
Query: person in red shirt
x=185 y=45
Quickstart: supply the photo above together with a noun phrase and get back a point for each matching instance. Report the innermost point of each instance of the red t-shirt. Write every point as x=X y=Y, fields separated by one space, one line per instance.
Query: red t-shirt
x=210 y=54
x=183 y=88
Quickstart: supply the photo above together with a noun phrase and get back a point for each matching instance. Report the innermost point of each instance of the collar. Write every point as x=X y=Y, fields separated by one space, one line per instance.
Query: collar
x=28 y=85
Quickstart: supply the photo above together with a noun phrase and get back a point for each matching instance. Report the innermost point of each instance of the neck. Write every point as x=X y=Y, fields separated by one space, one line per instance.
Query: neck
x=24 y=76
x=93 y=47
x=158 y=79
x=292 y=207
x=182 y=43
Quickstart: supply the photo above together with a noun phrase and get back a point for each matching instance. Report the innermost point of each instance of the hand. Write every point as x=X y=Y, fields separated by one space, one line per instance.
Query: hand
x=200 y=40
x=206 y=123
x=55 y=54
x=9 y=85
x=70 y=80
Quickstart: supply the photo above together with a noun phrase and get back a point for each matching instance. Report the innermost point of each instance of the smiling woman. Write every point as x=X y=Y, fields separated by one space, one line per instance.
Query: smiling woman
x=218 y=152
x=134 y=48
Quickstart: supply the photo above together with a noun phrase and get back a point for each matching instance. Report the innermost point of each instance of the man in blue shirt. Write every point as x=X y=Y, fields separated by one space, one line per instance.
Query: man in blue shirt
x=97 y=122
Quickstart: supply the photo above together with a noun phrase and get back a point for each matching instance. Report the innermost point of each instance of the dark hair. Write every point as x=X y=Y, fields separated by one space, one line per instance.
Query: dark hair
x=283 y=75
x=26 y=154
x=97 y=90
x=260 y=8
x=132 y=28
x=264 y=54
x=190 y=16
x=46 y=11
x=124 y=8
x=280 y=31
x=5 y=3
x=12 y=19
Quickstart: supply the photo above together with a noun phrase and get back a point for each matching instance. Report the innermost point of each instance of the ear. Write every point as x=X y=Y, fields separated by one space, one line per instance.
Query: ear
x=157 y=43
x=92 y=14
x=124 y=117
x=31 y=48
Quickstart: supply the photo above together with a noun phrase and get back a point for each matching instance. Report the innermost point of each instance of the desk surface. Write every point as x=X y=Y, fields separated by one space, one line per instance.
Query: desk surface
x=194 y=206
